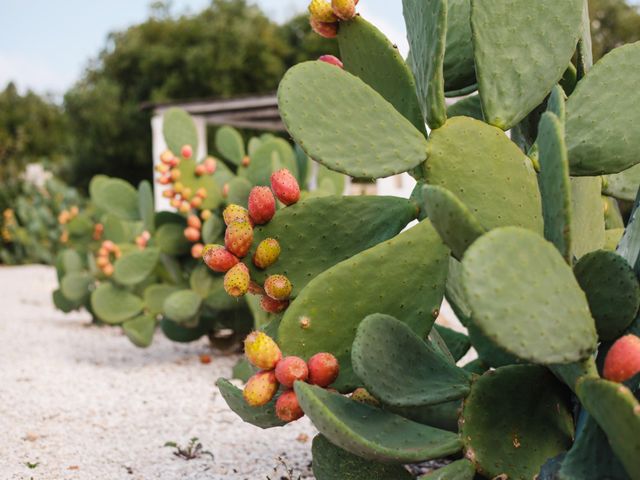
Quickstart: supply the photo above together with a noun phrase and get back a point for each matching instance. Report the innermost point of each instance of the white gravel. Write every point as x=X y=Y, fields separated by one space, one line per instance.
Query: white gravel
x=80 y=402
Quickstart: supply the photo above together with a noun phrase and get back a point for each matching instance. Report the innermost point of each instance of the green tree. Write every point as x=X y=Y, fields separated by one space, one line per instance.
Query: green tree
x=613 y=23
x=228 y=49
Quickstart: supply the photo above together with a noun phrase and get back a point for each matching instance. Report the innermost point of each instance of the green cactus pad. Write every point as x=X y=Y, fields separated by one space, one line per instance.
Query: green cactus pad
x=454 y=292
x=118 y=197
x=212 y=230
x=542 y=317
x=372 y=433
x=230 y=144
x=612 y=290
x=587 y=219
x=555 y=187
x=271 y=156
x=623 y=185
x=455 y=224
x=330 y=181
x=337 y=300
x=467 y=107
x=182 y=306
x=458 y=470
x=140 y=330
x=612 y=239
x=309 y=248
x=171 y=240
x=368 y=54
x=585 y=45
x=75 y=286
x=155 y=295
x=115 y=229
x=438 y=343
x=133 y=267
x=179 y=130
x=146 y=207
x=459 y=66
x=386 y=349
x=602 y=122
x=344 y=124
x=263 y=417
x=489 y=352
x=457 y=343
x=443 y=416
x=239 y=189
x=612 y=215
x=515 y=419
x=62 y=303
x=521 y=51
x=426 y=22
x=629 y=247
x=591 y=457
x=68 y=261
x=114 y=305
x=182 y=334
x=331 y=462
x=189 y=179
x=487 y=172
x=618 y=413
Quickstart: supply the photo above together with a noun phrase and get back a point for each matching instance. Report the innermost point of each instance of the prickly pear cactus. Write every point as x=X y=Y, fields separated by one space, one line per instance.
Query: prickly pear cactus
x=514 y=231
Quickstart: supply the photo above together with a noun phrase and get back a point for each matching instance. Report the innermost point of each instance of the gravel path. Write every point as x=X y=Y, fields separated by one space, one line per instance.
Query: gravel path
x=81 y=402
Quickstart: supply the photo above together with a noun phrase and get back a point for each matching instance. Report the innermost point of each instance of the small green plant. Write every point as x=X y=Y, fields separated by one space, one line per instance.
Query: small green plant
x=520 y=232
x=191 y=451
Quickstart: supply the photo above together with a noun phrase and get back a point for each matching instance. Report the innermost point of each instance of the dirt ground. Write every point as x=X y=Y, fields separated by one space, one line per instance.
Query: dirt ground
x=81 y=402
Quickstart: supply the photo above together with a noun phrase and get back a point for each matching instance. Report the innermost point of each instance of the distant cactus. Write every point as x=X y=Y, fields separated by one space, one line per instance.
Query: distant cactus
x=513 y=232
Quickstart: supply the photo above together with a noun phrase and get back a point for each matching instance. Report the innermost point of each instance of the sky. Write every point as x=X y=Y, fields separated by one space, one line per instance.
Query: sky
x=45 y=45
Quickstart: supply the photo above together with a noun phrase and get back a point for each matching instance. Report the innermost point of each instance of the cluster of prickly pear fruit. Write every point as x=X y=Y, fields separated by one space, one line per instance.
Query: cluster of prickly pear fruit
x=277 y=372
x=181 y=196
x=325 y=15
x=107 y=253
x=238 y=240
x=512 y=232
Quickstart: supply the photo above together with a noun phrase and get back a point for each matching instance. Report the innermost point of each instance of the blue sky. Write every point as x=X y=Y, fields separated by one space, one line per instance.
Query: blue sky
x=45 y=44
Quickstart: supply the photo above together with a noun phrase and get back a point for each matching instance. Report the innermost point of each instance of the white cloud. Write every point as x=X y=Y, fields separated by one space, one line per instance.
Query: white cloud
x=34 y=74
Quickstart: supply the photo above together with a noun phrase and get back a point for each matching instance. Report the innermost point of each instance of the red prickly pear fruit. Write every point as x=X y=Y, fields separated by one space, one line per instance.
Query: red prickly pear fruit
x=290 y=369
x=324 y=29
x=210 y=165
x=288 y=408
x=192 y=234
x=331 y=60
x=285 y=186
x=200 y=170
x=108 y=269
x=322 y=11
x=196 y=250
x=363 y=396
x=225 y=190
x=194 y=221
x=246 y=161
x=267 y=253
x=201 y=192
x=186 y=193
x=218 y=258
x=260 y=389
x=262 y=351
x=270 y=305
x=262 y=205
x=255 y=289
x=238 y=238
x=323 y=369
x=236 y=280
x=206 y=215
x=185 y=207
x=102 y=262
x=235 y=213
x=344 y=9
x=278 y=287
x=175 y=175
x=196 y=202
x=623 y=359
x=186 y=151
x=166 y=157
x=176 y=202
x=168 y=193
x=164 y=180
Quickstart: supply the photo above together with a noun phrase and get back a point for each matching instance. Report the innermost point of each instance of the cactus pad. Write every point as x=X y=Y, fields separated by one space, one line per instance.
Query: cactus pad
x=133 y=267
x=458 y=470
x=623 y=185
x=155 y=295
x=459 y=67
x=75 y=286
x=587 y=221
x=426 y=22
x=372 y=433
x=263 y=417
x=457 y=343
x=182 y=306
x=179 y=130
x=352 y=129
x=331 y=462
x=543 y=316
x=612 y=291
x=140 y=330
x=170 y=239
x=386 y=349
x=487 y=172
x=230 y=144
x=555 y=188
x=455 y=224
x=337 y=300
x=618 y=413
x=189 y=179
x=602 y=123
x=515 y=418
x=370 y=56
x=116 y=196
x=467 y=107
x=521 y=51
x=308 y=248
x=114 y=305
